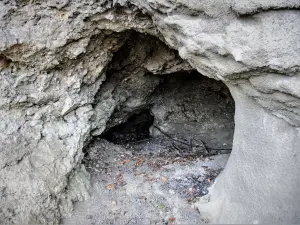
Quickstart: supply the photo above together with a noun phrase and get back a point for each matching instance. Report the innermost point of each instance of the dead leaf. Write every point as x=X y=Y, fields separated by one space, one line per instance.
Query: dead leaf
x=172 y=219
x=125 y=161
x=139 y=162
x=110 y=187
x=164 y=180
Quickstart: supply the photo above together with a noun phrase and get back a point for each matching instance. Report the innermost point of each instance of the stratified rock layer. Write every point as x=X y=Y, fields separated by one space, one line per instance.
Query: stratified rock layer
x=53 y=60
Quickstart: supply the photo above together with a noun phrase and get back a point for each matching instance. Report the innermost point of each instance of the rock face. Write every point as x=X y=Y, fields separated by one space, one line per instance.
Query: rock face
x=194 y=107
x=261 y=168
x=54 y=59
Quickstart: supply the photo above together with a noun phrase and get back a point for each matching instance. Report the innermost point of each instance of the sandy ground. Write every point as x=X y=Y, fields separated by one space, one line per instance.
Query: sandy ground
x=144 y=184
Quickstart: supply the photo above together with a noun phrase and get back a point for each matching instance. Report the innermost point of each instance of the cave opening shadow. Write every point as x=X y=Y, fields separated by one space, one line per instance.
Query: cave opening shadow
x=135 y=128
x=190 y=113
x=155 y=93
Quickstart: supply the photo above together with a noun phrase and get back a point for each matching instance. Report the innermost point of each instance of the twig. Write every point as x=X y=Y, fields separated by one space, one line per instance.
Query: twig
x=191 y=144
x=220 y=149
x=169 y=136
x=207 y=149
x=176 y=147
x=140 y=141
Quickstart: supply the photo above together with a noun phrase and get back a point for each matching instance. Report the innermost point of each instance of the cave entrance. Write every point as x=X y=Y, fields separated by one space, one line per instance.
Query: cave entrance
x=151 y=96
x=147 y=81
x=186 y=114
x=135 y=129
x=162 y=133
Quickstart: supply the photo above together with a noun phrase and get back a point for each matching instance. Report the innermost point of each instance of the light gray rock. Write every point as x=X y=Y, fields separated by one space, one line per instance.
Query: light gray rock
x=262 y=173
x=53 y=61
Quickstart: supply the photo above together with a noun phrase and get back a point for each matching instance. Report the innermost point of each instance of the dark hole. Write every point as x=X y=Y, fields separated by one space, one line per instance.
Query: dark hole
x=134 y=129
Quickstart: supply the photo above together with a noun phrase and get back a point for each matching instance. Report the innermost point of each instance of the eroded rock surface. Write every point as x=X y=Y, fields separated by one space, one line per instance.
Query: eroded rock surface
x=195 y=108
x=54 y=57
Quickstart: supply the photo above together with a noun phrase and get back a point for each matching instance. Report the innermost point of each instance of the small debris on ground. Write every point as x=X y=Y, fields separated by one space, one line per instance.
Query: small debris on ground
x=144 y=183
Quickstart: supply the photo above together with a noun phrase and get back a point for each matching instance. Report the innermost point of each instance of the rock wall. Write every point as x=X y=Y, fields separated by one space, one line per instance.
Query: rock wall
x=53 y=61
x=195 y=108
x=262 y=172
x=130 y=79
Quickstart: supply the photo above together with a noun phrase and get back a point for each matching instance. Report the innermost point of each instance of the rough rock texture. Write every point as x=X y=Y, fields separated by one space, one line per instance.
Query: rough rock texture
x=53 y=60
x=183 y=102
x=130 y=81
x=194 y=107
x=265 y=187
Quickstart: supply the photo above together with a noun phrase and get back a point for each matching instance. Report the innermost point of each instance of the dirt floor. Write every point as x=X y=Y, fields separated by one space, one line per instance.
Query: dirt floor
x=146 y=182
